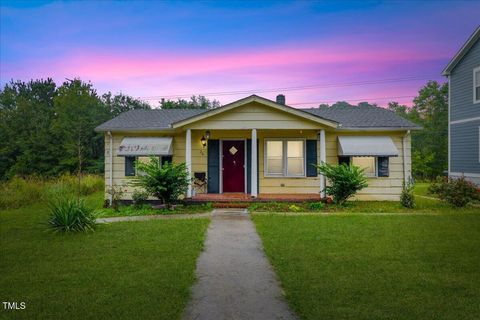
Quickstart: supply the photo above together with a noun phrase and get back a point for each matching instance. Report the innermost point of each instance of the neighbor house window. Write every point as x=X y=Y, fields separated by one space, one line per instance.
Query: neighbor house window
x=368 y=164
x=285 y=158
x=476 y=85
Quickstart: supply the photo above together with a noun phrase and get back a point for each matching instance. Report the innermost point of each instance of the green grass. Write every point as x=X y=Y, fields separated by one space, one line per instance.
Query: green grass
x=421 y=189
x=356 y=266
x=145 y=210
x=129 y=270
x=20 y=192
x=423 y=205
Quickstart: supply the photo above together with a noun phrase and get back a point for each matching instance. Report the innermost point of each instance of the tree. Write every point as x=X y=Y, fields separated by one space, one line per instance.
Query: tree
x=196 y=102
x=116 y=104
x=78 y=110
x=26 y=114
x=430 y=145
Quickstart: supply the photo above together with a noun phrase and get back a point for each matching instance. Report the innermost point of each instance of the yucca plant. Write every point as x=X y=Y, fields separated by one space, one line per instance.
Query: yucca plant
x=72 y=216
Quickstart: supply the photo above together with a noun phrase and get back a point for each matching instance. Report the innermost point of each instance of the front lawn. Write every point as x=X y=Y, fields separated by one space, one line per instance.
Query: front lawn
x=423 y=205
x=130 y=270
x=354 y=266
x=147 y=210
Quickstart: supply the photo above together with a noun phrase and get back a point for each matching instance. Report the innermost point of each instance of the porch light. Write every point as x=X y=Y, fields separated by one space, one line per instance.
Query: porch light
x=207 y=134
x=203 y=141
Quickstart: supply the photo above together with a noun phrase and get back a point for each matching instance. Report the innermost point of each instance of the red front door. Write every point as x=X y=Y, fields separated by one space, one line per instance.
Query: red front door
x=233 y=163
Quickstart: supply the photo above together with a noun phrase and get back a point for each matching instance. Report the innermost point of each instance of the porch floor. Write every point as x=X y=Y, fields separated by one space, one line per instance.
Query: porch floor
x=262 y=197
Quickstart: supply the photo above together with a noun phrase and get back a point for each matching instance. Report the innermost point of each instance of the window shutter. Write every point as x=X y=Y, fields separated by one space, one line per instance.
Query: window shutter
x=344 y=160
x=213 y=158
x=129 y=166
x=165 y=159
x=312 y=158
x=383 y=170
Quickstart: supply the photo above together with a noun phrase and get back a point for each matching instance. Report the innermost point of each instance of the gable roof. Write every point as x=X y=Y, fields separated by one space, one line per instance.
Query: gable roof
x=341 y=116
x=462 y=52
x=352 y=117
x=264 y=101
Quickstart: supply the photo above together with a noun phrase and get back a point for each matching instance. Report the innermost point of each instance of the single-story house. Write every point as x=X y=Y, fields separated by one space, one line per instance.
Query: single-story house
x=259 y=148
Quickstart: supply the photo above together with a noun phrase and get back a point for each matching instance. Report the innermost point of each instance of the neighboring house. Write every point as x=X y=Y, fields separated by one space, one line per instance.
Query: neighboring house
x=463 y=74
x=262 y=148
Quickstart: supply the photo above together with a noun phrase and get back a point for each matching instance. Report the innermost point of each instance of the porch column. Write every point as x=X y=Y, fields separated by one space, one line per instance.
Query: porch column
x=254 y=186
x=188 y=160
x=323 y=158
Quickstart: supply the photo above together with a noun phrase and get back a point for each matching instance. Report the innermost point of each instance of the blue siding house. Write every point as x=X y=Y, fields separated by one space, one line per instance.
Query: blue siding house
x=463 y=73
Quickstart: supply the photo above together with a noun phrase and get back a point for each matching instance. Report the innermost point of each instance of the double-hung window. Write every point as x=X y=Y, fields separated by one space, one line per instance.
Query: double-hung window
x=476 y=85
x=284 y=158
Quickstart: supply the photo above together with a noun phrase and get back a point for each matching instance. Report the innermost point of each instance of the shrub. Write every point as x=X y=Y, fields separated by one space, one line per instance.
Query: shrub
x=456 y=191
x=139 y=197
x=71 y=216
x=316 y=206
x=116 y=194
x=345 y=180
x=407 y=198
x=165 y=182
x=294 y=208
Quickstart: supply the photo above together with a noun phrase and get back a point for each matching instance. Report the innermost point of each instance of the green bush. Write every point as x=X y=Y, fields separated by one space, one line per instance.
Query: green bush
x=71 y=216
x=139 y=197
x=407 y=198
x=456 y=191
x=165 y=182
x=345 y=180
x=316 y=206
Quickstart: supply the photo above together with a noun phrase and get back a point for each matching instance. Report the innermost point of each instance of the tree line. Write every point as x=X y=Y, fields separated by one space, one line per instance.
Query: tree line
x=48 y=130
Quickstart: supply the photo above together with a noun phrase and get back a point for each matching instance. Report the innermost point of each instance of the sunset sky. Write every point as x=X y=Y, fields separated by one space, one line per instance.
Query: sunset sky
x=313 y=52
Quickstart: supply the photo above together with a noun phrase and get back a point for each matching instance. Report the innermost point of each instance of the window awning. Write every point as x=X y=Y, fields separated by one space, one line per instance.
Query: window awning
x=145 y=146
x=382 y=146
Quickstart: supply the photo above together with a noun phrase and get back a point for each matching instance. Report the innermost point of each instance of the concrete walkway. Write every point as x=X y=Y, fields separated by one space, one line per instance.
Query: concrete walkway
x=234 y=278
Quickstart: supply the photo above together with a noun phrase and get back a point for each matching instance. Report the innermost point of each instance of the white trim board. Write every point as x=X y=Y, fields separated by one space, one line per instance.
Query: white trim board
x=464 y=174
x=465 y=120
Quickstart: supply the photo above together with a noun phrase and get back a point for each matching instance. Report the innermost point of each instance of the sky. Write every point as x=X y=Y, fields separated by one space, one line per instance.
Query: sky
x=312 y=52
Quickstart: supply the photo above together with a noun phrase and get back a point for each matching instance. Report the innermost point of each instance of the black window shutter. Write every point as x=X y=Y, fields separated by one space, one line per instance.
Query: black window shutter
x=129 y=166
x=383 y=170
x=165 y=159
x=344 y=160
x=213 y=158
x=312 y=158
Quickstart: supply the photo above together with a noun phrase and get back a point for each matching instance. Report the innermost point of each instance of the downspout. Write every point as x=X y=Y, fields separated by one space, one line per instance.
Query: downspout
x=404 y=145
x=110 y=177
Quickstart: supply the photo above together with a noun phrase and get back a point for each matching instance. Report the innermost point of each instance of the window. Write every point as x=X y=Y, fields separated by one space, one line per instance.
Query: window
x=368 y=164
x=285 y=158
x=130 y=169
x=476 y=85
x=275 y=158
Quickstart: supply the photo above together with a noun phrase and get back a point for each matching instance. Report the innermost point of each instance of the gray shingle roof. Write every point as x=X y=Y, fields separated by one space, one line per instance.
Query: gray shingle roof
x=362 y=117
x=346 y=116
x=147 y=119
